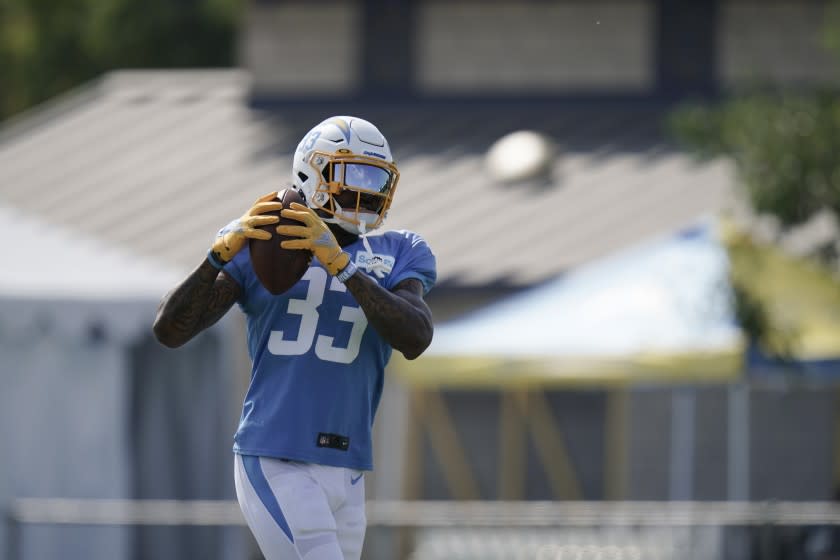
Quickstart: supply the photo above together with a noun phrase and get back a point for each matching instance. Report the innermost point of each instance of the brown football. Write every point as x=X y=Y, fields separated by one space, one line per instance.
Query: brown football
x=277 y=268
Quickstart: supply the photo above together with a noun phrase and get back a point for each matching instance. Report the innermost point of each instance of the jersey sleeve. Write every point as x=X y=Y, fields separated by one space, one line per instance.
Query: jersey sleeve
x=236 y=269
x=415 y=260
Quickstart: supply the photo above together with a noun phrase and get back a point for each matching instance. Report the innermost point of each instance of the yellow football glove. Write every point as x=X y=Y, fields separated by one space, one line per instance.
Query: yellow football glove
x=233 y=236
x=315 y=236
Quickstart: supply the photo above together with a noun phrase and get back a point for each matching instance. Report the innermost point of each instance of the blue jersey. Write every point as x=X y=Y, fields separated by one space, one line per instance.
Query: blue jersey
x=317 y=366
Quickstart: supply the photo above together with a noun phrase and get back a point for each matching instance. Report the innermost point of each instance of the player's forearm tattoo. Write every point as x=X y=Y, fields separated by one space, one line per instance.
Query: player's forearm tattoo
x=198 y=302
x=400 y=317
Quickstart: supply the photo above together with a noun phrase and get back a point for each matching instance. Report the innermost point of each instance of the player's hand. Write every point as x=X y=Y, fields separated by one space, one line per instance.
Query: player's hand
x=233 y=236
x=315 y=236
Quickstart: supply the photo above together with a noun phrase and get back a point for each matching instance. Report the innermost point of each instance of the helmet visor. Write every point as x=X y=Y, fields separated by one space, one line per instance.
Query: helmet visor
x=365 y=177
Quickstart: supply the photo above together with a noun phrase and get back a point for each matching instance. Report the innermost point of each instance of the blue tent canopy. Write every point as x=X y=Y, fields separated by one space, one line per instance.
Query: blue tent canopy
x=659 y=310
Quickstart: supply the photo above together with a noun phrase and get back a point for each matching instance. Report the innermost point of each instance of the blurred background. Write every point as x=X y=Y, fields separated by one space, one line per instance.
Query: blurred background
x=634 y=209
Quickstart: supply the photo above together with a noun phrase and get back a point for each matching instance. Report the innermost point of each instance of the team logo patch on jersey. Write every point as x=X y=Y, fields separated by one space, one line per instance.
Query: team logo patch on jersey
x=378 y=263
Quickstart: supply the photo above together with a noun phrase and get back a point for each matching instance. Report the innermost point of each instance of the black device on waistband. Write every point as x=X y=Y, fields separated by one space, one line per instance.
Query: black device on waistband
x=334 y=441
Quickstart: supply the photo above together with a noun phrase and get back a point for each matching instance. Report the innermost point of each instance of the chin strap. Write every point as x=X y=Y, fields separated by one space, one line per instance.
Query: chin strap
x=376 y=266
x=373 y=266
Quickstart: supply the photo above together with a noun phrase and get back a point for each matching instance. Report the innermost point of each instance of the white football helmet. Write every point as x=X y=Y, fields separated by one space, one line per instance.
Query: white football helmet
x=345 y=154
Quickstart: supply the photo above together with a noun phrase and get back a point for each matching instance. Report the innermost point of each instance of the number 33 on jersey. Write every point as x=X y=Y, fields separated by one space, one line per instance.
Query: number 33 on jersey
x=281 y=343
x=312 y=350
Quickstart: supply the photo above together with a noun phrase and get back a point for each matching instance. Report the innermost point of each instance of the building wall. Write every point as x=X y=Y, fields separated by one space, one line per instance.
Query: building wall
x=92 y=406
x=673 y=443
x=533 y=47
x=480 y=47
x=303 y=47
x=62 y=412
x=778 y=42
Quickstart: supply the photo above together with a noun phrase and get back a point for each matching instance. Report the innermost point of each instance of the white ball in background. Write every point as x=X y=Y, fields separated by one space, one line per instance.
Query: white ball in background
x=520 y=156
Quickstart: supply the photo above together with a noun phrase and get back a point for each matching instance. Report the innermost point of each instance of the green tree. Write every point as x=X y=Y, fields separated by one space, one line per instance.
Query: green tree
x=786 y=150
x=50 y=46
x=785 y=147
x=785 y=144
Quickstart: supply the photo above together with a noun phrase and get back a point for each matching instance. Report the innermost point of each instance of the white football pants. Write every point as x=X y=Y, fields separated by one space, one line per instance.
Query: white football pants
x=302 y=510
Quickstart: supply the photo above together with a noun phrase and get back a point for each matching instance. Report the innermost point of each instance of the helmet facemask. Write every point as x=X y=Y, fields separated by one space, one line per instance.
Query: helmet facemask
x=356 y=191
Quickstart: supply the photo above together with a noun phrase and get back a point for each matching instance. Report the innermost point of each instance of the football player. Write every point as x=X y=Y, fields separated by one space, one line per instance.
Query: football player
x=318 y=350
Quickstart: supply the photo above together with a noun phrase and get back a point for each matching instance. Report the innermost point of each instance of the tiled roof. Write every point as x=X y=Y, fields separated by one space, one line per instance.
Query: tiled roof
x=158 y=161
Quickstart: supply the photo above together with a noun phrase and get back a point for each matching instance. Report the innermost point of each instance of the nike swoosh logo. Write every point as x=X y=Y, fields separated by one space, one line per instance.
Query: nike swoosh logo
x=356 y=479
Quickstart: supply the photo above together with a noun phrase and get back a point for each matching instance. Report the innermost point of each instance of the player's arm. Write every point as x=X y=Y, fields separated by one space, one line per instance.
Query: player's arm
x=208 y=293
x=195 y=304
x=400 y=316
